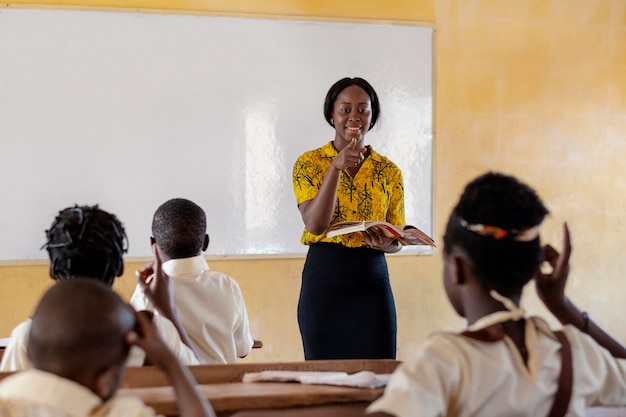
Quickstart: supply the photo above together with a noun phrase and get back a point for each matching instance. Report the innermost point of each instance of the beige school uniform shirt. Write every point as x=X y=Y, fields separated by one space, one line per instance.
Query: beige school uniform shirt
x=35 y=393
x=453 y=375
x=211 y=308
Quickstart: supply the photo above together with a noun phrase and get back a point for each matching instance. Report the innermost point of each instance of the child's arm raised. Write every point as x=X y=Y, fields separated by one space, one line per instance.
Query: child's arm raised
x=190 y=402
x=551 y=290
x=157 y=287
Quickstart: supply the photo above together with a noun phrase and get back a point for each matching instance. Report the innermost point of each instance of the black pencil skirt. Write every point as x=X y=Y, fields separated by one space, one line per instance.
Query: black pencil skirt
x=346 y=308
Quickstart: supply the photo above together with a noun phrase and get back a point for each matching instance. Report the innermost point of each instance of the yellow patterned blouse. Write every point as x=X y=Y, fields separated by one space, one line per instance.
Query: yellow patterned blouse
x=375 y=193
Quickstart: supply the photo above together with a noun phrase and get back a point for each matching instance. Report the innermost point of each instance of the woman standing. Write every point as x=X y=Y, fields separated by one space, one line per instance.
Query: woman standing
x=346 y=308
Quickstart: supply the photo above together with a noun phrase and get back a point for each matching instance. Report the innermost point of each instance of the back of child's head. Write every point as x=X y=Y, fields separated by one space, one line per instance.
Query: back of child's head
x=78 y=330
x=179 y=228
x=496 y=222
x=86 y=242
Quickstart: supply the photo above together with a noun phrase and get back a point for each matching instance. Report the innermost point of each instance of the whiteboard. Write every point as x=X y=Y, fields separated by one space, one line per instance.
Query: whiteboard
x=127 y=110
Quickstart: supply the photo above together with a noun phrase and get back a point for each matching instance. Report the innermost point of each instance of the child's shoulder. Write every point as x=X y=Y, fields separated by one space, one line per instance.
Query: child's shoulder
x=220 y=279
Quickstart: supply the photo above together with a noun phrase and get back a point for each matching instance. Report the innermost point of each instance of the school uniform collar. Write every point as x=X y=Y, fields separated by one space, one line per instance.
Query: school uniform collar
x=193 y=266
x=37 y=387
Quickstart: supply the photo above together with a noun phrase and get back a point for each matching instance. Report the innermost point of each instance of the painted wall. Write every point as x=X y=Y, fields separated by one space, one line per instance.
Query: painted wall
x=536 y=88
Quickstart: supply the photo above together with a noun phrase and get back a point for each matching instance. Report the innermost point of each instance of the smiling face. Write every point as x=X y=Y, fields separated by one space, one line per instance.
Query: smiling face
x=352 y=115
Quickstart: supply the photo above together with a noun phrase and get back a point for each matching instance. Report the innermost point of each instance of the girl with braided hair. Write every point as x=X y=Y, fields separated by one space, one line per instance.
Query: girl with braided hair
x=505 y=362
x=88 y=242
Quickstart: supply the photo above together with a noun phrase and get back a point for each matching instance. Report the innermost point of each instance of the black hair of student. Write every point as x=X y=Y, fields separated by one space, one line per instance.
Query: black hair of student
x=500 y=200
x=179 y=227
x=87 y=242
x=78 y=329
x=339 y=86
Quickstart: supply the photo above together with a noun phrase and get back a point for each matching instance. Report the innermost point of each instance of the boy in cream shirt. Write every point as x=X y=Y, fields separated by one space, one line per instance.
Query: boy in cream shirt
x=209 y=303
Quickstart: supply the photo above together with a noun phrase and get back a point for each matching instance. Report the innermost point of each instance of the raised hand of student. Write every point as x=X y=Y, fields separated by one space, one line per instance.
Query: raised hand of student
x=146 y=337
x=190 y=402
x=349 y=157
x=551 y=290
x=551 y=285
x=156 y=285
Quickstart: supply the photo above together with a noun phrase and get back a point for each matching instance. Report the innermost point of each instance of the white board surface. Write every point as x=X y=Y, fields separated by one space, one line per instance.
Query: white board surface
x=127 y=110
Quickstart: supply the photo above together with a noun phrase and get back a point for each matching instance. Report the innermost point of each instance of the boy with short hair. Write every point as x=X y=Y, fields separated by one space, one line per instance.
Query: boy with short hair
x=88 y=242
x=210 y=304
x=77 y=368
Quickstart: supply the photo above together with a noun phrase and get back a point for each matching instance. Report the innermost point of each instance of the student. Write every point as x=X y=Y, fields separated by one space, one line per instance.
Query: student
x=210 y=304
x=88 y=242
x=346 y=308
x=77 y=369
x=504 y=363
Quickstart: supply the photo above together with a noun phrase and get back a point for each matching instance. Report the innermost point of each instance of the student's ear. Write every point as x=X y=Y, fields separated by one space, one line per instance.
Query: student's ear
x=206 y=242
x=458 y=265
x=152 y=240
x=458 y=268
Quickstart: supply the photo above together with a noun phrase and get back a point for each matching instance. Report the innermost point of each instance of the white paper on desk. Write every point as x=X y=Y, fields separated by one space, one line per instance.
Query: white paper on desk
x=363 y=379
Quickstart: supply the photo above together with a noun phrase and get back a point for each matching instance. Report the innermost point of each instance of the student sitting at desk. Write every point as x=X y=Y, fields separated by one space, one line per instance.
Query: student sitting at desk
x=77 y=369
x=210 y=303
x=88 y=242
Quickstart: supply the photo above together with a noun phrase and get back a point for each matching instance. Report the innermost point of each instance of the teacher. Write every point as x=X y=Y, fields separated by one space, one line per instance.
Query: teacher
x=346 y=308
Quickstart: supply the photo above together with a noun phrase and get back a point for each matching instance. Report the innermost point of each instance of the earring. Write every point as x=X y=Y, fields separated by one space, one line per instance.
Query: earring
x=332 y=122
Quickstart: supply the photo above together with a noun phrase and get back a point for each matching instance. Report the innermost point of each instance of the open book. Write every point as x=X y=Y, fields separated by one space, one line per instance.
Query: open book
x=362 y=379
x=406 y=235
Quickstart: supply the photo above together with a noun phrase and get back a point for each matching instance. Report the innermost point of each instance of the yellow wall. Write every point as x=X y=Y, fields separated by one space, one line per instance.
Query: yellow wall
x=402 y=10
x=536 y=88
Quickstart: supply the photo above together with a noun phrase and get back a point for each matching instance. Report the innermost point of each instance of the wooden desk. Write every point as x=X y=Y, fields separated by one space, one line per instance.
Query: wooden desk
x=222 y=385
x=150 y=376
x=228 y=398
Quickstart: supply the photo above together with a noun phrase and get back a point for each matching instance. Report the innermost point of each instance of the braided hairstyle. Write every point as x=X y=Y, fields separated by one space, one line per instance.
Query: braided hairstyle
x=179 y=228
x=504 y=264
x=85 y=241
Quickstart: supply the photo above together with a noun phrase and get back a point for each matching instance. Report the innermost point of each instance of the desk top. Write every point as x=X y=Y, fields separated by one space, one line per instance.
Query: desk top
x=150 y=376
x=238 y=396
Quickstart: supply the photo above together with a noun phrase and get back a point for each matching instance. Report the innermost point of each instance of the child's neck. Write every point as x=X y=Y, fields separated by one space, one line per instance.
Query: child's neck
x=483 y=304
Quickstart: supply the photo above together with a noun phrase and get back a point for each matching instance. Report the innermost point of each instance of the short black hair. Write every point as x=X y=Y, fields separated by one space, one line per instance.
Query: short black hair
x=499 y=200
x=79 y=328
x=339 y=86
x=179 y=227
x=86 y=241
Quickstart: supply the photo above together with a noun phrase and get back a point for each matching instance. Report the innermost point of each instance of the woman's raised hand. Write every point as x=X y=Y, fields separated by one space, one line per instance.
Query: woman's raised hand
x=349 y=157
